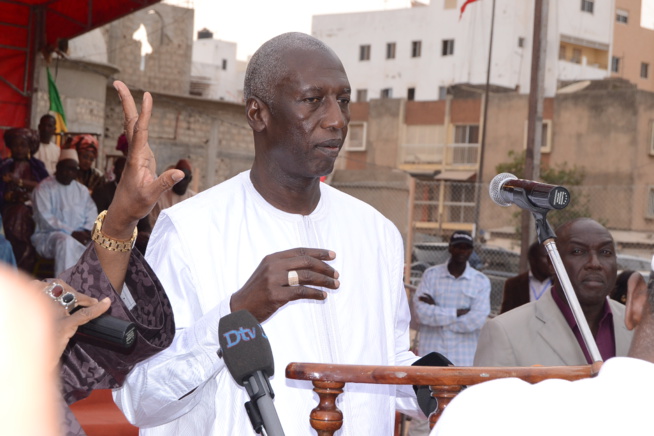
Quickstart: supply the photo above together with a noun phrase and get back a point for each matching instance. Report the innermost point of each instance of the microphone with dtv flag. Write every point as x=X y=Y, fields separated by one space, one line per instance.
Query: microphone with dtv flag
x=249 y=359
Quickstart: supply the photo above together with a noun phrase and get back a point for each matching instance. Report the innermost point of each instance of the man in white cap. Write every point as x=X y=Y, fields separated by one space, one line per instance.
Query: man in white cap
x=64 y=214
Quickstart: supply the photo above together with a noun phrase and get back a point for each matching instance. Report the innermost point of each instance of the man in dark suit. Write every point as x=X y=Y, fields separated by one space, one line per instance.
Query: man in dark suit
x=530 y=285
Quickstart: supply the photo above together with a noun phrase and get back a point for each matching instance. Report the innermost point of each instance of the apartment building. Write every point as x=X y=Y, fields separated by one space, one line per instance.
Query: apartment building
x=416 y=53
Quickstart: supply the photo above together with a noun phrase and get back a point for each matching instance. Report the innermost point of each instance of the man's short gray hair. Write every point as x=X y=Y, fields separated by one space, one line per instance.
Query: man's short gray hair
x=267 y=68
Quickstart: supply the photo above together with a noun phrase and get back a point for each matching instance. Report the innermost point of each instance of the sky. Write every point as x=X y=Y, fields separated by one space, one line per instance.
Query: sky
x=250 y=23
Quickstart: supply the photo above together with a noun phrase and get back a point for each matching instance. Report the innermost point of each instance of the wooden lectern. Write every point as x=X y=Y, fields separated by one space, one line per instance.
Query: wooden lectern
x=445 y=382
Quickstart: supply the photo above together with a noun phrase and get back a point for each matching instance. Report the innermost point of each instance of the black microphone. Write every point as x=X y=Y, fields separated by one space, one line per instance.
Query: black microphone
x=426 y=402
x=249 y=359
x=107 y=331
x=506 y=189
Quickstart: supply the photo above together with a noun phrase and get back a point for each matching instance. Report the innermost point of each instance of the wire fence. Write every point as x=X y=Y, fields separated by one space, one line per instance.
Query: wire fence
x=429 y=212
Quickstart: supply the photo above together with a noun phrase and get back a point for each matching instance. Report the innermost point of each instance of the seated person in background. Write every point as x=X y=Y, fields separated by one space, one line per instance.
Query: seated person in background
x=626 y=279
x=19 y=175
x=64 y=214
x=104 y=194
x=530 y=285
x=87 y=152
x=180 y=191
x=512 y=407
x=47 y=149
x=110 y=277
x=545 y=332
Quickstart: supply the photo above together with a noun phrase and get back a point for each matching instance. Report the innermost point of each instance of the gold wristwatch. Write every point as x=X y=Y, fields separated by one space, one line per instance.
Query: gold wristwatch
x=108 y=242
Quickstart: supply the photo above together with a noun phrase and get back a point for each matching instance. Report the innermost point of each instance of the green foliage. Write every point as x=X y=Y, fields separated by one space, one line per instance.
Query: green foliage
x=560 y=175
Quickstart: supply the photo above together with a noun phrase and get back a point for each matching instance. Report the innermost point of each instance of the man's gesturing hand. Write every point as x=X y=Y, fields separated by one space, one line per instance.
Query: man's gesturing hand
x=268 y=288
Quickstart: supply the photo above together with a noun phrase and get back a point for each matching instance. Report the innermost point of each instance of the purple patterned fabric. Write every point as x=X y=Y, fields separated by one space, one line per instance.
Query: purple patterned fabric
x=85 y=367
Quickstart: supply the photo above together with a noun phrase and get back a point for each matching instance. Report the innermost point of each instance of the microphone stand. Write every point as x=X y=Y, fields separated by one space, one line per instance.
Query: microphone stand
x=547 y=237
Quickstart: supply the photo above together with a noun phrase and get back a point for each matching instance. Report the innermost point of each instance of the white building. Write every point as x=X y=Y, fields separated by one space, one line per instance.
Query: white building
x=215 y=72
x=417 y=52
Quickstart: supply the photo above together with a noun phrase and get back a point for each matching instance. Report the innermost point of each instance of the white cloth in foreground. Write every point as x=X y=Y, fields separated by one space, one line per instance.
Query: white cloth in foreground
x=60 y=210
x=206 y=248
x=615 y=402
x=49 y=155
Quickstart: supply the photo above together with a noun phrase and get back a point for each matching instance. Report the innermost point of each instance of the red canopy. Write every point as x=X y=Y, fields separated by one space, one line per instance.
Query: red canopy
x=27 y=26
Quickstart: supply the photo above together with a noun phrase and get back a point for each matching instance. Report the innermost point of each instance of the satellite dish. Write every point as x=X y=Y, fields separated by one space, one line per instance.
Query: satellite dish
x=577 y=86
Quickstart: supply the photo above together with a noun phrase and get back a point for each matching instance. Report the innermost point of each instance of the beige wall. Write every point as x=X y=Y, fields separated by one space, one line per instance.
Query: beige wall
x=213 y=135
x=633 y=45
x=607 y=133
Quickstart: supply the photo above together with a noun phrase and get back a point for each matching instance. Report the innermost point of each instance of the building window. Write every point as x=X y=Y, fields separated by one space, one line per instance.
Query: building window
x=650 y=202
x=411 y=94
x=224 y=64
x=387 y=93
x=615 y=65
x=651 y=138
x=356 y=136
x=521 y=42
x=364 y=52
x=644 y=70
x=587 y=6
x=390 y=50
x=466 y=134
x=622 y=16
x=546 y=138
x=562 y=52
x=576 y=55
x=362 y=95
x=448 y=47
x=416 y=49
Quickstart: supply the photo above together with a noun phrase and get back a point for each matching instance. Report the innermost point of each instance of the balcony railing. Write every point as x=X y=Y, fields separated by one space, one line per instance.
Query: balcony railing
x=462 y=154
x=452 y=154
x=421 y=153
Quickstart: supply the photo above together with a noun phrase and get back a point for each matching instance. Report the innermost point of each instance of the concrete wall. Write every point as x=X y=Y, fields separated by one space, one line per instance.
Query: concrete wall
x=213 y=135
x=170 y=33
x=605 y=133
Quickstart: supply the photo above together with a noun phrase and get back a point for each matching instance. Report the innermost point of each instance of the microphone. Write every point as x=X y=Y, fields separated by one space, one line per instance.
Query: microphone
x=249 y=359
x=107 y=331
x=506 y=189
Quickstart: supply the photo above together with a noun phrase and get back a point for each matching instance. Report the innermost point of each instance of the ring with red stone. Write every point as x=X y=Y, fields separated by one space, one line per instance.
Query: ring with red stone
x=54 y=290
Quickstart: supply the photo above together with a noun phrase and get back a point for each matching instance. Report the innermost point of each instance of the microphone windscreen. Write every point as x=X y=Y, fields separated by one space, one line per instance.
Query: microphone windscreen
x=495 y=188
x=245 y=346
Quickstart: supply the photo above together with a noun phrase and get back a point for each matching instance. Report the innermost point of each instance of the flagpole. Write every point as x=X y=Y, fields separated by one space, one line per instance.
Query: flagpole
x=482 y=146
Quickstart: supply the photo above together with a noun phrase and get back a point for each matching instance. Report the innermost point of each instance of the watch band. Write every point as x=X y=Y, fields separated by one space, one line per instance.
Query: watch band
x=110 y=243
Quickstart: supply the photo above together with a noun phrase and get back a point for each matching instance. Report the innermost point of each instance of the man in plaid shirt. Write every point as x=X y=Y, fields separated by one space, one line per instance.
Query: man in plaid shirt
x=452 y=303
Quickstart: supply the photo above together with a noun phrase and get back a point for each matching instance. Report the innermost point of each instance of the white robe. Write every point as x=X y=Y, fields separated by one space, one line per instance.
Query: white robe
x=206 y=248
x=49 y=155
x=60 y=210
